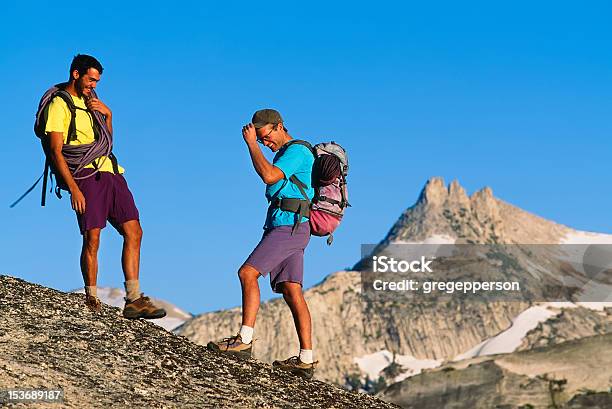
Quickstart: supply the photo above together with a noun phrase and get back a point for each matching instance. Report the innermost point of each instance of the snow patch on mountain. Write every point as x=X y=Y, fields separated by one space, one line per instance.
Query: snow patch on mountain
x=509 y=340
x=433 y=239
x=373 y=364
x=585 y=237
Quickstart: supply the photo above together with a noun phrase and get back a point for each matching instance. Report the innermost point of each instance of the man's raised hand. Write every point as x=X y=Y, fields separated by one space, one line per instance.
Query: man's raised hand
x=249 y=134
x=94 y=104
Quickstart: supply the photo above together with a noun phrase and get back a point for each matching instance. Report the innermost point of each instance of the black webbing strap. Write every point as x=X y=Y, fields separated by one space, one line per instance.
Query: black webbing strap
x=65 y=96
x=299 y=142
x=58 y=189
x=29 y=190
x=301 y=186
x=113 y=160
x=305 y=202
x=329 y=200
x=301 y=208
x=44 y=186
x=292 y=205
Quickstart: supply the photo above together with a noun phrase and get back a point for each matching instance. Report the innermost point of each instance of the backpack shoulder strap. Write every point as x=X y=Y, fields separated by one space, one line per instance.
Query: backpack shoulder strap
x=300 y=142
x=65 y=96
x=302 y=186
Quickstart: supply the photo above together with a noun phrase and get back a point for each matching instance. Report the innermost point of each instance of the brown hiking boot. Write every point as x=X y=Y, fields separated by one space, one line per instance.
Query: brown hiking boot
x=142 y=308
x=232 y=346
x=93 y=303
x=296 y=367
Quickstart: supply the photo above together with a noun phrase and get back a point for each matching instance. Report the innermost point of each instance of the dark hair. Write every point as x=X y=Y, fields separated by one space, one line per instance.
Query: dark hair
x=83 y=62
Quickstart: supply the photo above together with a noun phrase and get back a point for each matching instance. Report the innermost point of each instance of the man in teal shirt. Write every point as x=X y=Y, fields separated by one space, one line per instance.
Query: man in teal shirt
x=297 y=160
x=280 y=252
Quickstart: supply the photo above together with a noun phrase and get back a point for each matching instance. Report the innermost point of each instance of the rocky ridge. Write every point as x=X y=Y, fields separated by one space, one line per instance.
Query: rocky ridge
x=48 y=339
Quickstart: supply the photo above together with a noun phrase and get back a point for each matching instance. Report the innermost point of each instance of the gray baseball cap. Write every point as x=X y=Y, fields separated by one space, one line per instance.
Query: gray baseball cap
x=266 y=116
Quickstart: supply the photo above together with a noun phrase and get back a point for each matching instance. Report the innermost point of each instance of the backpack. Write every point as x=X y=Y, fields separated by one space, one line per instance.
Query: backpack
x=329 y=173
x=101 y=145
x=39 y=131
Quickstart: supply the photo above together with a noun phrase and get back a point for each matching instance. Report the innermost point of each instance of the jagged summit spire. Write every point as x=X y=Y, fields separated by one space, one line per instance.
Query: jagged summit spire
x=435 y=192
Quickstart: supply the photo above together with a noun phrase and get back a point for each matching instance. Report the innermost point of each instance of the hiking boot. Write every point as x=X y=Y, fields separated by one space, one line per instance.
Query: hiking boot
x=296 y=367
x=93 y=303
x=232 y=346
x=142 y=308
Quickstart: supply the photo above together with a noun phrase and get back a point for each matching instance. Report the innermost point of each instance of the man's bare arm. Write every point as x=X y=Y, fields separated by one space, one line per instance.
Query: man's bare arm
x=56 y=142
x=269 y=173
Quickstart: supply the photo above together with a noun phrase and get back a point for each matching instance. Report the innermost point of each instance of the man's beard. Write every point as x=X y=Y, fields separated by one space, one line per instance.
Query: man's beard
x=79 y=88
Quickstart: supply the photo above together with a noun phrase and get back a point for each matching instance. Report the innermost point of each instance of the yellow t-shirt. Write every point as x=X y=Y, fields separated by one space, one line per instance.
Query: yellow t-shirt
x=58 y=120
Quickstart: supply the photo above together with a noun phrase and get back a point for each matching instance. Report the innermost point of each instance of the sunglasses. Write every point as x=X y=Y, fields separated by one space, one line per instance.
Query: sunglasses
x=260 y=140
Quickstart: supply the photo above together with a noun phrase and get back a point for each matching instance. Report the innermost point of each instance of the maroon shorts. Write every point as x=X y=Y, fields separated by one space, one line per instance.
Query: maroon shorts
x=107 y=197
x=281 y=254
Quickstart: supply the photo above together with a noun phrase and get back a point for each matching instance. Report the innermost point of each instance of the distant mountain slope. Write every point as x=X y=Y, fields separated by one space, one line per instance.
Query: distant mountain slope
x=545 y=377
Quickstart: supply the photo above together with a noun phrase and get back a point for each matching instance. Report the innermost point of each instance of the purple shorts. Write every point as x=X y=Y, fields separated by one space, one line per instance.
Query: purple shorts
x=107 y=197
x=281 y=254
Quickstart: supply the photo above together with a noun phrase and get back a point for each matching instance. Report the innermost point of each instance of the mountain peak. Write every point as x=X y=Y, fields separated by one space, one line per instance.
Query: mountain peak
x=436 y=193
x=486 y=193
x=479 y=218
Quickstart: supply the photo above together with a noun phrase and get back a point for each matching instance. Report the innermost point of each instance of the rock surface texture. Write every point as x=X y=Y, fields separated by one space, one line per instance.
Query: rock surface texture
x=48 y=339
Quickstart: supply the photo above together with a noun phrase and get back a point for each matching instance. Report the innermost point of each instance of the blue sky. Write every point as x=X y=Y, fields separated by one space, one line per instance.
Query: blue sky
x=516 y=96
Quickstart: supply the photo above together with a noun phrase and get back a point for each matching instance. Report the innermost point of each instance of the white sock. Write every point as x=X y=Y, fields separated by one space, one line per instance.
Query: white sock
x=91 y=290
x=306 y=356
x=132 y=290
x=246 y=333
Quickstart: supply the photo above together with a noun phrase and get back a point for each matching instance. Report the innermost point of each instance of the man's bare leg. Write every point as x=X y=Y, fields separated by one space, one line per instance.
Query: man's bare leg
x=305 y=365
x=130 y=256
x=89 y=267
x=250 y=294
x=89 y=256
x=136 y=306
x=242 y=345
x=292 y=293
